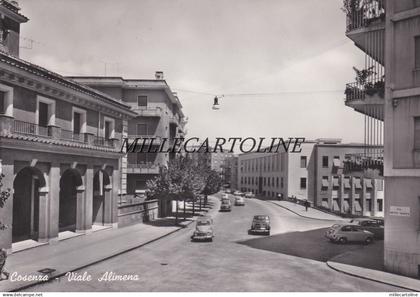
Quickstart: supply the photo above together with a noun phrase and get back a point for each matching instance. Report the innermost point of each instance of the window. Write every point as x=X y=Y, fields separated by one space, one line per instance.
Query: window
x=325 y=161
x=302 y=161
x=303 y=183
x=369 y=204
x=277 y=182
x=417 y=133
x=76 y=123
x=417 y=52
x=324 y=184
x=43 y=114
x=142 y=100
x=380 y=204
x=281 y=183
x=79 y=120
x=2 y=102
x=109 y=128
x=6 y=100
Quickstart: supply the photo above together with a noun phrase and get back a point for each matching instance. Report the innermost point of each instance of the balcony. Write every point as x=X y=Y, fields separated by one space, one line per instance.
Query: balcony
x=366 y=98
x=143 y=168
x=145 y=111
x=371 y=161
x=157 y=140
x=366 y=19
x=11 y=127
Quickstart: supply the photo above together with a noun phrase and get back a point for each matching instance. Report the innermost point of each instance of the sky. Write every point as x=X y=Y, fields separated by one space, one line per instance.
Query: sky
x=282 y=65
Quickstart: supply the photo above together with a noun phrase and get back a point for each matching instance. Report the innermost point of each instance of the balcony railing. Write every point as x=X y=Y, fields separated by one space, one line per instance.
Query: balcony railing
x=70 y=135
x=21 y=127
x=361 y=14
x=364 y=161
x=10 y=126
x=145 y=167
x=102 y=141
x=358 y=91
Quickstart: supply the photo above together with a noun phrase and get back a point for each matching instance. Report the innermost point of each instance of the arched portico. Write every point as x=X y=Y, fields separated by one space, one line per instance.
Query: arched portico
x=28 y=204
x=102 y=198
x=71 y=201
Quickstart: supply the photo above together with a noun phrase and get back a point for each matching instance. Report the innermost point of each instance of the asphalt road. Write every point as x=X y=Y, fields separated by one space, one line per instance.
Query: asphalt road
x=229 y=263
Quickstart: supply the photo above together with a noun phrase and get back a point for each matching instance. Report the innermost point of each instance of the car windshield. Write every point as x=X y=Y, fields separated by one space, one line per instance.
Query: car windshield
x=225 y=202
x=261 y=218
x=204 y=223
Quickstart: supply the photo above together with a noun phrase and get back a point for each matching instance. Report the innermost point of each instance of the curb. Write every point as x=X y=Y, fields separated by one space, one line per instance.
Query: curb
x=60 y=274
x=298 y=214
x=330 y=265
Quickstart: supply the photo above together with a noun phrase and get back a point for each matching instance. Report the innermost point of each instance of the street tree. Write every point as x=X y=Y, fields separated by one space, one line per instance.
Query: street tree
x=4 y=195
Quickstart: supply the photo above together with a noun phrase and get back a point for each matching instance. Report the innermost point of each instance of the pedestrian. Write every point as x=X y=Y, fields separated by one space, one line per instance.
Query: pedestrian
x=307 y=204
x=3 y=257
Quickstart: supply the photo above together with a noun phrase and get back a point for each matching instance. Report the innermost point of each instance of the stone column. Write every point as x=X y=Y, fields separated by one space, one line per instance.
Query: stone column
x=6 y=124
x=88 y=181
x=43 y=221
x=54 y=201
x=81 y=209
x=108 y=204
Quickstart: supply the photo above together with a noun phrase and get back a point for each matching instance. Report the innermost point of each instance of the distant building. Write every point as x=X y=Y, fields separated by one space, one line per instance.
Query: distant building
x=230 y=175
x=324 y=172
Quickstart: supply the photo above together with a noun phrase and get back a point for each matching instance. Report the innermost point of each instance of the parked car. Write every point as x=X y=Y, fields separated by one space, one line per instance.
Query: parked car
x=237 y=193
x=203 y=229
x=226 y=205
x=228 y=191
x=249 y=195
x=239 y=201
x=260 y=224
x=376 y=226
x=225 y=196
x=343 y=233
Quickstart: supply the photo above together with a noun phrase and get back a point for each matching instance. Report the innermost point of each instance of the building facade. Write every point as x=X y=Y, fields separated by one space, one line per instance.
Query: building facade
x=159 y=116
x=59 y=148
x=388 y=32
x=324 y=173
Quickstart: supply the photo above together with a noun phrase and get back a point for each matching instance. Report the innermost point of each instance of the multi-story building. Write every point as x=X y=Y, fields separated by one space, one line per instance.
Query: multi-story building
x=339 y=182
x=324 y=173
x=230 y=175
x=159 y=116
x=388 y=33
x=59 y=148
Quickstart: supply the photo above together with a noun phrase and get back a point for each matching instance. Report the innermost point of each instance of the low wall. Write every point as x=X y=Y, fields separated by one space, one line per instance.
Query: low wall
x=137 y=212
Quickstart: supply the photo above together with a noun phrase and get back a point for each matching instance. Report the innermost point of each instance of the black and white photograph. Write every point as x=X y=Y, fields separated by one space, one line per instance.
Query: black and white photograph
x=210 y=146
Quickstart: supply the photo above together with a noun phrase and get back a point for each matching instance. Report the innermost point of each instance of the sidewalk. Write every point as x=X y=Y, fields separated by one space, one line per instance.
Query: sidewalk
x=312 y=213
x=378 y=276
x=81 y=251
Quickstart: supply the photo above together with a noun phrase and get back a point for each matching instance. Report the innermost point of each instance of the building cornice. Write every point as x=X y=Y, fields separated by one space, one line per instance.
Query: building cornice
x=45 y=83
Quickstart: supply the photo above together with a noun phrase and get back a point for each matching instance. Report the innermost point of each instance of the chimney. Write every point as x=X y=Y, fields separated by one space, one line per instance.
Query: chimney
x=159 y=75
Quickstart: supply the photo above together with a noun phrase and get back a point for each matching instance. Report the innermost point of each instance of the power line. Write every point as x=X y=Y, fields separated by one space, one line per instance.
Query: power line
x=260 y=94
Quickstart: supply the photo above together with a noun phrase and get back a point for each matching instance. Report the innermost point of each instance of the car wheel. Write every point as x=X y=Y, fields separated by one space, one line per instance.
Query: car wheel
x=342 y=240
x=368 y=240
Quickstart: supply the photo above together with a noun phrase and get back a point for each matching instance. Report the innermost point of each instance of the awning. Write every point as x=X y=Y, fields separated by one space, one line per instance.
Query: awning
x=325 y=204
x=336 y=162
x=325 y=183
x=368 y=183
x=346 y=206
x=357 y=183
x=336 y=207
x=335 y=182
x=346 y=183
x=357 y=206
